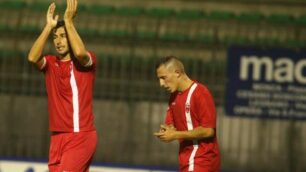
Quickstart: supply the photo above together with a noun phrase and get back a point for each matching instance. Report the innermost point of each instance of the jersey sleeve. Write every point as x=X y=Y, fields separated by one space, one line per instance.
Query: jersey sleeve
x=46 y=63
x=205 y=109
x=169 y=117
x=93 y=60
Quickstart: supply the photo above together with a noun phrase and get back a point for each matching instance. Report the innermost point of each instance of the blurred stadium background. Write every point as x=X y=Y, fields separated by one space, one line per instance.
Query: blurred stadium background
x=127 y=37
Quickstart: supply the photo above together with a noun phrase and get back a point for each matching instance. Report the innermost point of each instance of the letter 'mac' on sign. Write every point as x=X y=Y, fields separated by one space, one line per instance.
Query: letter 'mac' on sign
x=279 y=70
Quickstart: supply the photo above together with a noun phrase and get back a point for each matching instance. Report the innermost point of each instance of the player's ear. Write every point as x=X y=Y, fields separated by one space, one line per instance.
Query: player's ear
x=177 y=73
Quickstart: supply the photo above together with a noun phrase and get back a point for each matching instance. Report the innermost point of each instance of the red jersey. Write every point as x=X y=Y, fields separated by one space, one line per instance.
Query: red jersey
x=190 y=109
x=70 y=90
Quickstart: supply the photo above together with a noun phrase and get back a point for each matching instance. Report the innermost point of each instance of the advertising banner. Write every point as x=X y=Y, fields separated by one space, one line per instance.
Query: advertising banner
x=266 y=83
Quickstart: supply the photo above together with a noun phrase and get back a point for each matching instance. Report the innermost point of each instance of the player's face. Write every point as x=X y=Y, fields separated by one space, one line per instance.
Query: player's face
x=60 y=41
x=168 y=79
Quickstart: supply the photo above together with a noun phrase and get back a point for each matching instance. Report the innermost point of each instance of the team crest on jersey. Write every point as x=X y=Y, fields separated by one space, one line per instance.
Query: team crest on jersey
x=187 y=108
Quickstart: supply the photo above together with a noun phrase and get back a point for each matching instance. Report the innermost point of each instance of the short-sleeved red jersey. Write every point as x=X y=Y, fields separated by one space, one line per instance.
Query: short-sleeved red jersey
x=70 y=91
x=190 y=109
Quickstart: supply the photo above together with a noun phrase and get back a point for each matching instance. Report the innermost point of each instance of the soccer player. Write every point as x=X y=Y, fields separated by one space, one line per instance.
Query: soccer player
x=190 y=119
x=69 y=78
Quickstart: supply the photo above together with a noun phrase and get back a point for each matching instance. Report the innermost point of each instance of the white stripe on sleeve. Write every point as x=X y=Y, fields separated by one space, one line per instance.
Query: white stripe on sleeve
x=44 y=63
x=89 y=63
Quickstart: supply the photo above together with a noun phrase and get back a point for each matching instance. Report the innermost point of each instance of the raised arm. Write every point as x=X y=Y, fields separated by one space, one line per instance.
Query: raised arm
x=35 y=54
x=77 y=45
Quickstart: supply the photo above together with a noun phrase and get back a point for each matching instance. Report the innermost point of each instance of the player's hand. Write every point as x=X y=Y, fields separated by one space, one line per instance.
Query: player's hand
x=164 y=127
x=51 y=19
x=166 y=133
x=166 y=136
x=71 y=10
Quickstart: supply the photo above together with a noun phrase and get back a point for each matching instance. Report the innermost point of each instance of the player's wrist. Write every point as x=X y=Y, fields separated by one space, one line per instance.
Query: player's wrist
x=68 y=19
x=176 y=135
x=49 y=27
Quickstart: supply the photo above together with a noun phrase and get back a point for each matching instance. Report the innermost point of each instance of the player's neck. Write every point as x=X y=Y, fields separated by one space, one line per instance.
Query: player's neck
x=65 y=57
x=185 y=84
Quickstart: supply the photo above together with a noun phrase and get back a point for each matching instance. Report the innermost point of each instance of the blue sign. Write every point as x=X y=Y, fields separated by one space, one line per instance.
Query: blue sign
x=266 y=83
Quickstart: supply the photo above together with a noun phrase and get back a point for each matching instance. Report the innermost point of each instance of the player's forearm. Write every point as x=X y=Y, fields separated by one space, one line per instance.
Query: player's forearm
x=36 y=51
x=195 y=134
x=76 y=43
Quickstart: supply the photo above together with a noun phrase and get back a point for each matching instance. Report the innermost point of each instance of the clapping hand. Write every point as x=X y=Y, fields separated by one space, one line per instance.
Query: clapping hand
x=71 y=10
x=51 y=19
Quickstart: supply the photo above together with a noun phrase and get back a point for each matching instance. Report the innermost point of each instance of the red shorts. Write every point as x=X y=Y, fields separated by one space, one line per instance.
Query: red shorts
x=72 y=152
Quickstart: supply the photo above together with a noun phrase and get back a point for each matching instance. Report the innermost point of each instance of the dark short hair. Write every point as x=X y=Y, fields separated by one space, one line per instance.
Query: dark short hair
x=173 y=60
x=60 y=23
x=165 y=60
